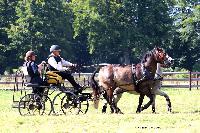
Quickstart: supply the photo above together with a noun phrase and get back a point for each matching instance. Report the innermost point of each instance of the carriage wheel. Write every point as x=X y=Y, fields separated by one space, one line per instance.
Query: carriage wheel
x=31 y=104
x=84 y=101
x=57 y=103
x=70 y=104
x=66 y=103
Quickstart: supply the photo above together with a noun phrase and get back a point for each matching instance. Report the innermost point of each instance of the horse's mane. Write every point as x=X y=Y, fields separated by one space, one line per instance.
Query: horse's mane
x=146 y=55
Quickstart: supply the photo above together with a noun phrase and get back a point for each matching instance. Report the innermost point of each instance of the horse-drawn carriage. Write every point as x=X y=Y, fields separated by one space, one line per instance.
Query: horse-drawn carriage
x=56 y=99
x=113 y=81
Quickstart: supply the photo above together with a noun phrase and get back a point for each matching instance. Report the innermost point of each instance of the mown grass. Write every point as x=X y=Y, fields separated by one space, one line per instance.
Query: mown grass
x=184 y=118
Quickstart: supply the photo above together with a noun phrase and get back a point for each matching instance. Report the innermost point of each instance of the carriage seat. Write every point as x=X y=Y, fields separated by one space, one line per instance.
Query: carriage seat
x=53 y=78
x=27 y=78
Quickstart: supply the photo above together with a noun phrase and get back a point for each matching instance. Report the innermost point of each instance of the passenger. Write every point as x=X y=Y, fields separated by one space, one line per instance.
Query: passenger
x=33 y=72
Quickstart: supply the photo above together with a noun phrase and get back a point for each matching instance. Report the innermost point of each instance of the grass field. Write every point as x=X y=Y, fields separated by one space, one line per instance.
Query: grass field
x=185 y=117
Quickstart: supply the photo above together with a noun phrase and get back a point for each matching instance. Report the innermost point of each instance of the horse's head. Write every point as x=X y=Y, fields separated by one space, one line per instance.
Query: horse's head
x=162 y=57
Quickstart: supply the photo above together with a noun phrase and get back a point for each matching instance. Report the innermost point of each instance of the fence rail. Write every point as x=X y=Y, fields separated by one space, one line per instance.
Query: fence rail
x=171 y=80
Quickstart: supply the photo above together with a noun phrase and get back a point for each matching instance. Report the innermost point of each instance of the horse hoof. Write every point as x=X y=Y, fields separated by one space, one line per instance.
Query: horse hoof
x=138 y=111
x=120 y=112
x=169 y=110
x=103 y=111
x=112 y=111
x=141 y=109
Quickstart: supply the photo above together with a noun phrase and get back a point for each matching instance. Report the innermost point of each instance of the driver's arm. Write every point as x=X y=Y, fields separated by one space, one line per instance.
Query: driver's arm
x=66 y=63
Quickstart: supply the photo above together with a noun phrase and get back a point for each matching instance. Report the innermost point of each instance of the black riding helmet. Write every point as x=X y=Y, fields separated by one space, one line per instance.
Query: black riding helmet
x=55 y=48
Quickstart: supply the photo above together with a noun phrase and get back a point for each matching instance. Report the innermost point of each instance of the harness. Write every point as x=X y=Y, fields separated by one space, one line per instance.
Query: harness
x=133 y=68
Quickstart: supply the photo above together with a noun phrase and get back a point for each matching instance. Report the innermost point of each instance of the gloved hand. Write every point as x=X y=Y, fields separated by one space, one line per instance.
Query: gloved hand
x=74 y=65
x=66 y=68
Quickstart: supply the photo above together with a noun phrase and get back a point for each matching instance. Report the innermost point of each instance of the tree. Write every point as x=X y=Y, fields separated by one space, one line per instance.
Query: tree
x=40 y=24
x=186 y=15
x=121 y=30
x=7 y=17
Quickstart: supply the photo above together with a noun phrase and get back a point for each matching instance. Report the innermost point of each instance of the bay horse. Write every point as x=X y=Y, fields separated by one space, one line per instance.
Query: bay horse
x=156 y=90
x=125 y=77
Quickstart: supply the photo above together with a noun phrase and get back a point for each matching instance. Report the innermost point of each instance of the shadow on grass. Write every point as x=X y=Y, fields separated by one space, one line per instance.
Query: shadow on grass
x=192 y=112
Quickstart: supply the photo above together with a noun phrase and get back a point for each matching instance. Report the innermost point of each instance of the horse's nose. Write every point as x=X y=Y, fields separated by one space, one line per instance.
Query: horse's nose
x=169 y=62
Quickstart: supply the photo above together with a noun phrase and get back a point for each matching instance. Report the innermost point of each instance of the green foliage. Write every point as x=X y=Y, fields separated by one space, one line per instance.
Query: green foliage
x=7 y=17
x=40 y=24
x=117 y=29
x=186 y=38
x=189 y=26
x=196 y=66
x=96 y=31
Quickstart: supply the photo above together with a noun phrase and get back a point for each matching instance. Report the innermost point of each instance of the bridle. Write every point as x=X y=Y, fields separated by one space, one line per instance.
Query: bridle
x=160 y=56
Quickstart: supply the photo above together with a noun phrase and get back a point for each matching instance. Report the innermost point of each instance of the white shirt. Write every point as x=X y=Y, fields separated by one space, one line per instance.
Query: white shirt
x=60 y=66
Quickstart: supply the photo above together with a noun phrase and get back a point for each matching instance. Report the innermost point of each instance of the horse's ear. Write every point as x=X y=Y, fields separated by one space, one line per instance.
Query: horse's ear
x=158 y=49
x=155 y=48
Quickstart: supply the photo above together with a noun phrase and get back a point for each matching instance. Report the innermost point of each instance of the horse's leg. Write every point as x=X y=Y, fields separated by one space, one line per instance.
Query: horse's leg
x=108 y=94
x=105 y=102
x=161 y=93
x=110 y=100
x=156 y=86
x=141 y=98
x=117 y=94
x=151 y=97
x=109 y=97
x=153 y=104
x=156 y=90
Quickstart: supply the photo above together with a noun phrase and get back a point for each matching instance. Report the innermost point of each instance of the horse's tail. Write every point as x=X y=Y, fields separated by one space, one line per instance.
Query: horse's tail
x=96 y=89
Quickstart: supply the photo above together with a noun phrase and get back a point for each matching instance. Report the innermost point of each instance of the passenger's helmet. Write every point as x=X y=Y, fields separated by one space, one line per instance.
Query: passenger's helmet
x=55 y=48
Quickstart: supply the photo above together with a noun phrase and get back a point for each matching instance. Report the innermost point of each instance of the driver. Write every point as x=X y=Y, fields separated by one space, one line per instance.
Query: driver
x=58 y=64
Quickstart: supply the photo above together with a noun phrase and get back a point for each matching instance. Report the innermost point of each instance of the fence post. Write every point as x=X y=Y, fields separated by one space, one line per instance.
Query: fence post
x=190 y=80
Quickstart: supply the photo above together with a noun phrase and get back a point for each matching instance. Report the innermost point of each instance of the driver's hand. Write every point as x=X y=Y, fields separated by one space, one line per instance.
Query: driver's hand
x=74 y=65
x=66 y=68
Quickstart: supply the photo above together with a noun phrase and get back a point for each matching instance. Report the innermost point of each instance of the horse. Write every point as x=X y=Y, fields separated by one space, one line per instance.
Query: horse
x=156 y=90
x=115 y=78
